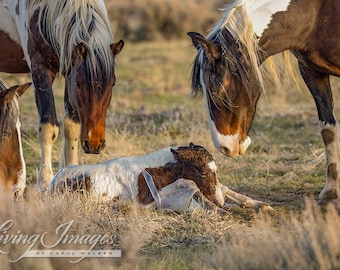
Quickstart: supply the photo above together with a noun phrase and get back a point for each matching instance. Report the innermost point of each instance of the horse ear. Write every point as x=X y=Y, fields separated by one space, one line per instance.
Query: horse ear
x=81 y=50
x=8 y=94
x=117 y=47
x=210 y=48
x=21 y=89
x=193 y=36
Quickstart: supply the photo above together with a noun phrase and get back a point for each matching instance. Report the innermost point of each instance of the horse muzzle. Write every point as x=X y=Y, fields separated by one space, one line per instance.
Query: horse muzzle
x=232 y=146
x=92 y=148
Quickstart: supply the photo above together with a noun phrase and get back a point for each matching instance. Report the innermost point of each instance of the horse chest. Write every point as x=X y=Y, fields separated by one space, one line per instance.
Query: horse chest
x=37 y=43
x=12 y=58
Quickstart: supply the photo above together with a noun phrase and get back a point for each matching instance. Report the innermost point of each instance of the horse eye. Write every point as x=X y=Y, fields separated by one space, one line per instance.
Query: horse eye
x=77 y=84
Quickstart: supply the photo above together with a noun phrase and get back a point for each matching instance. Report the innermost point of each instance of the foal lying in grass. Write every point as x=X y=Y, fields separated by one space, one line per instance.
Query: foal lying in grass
x=169 y=178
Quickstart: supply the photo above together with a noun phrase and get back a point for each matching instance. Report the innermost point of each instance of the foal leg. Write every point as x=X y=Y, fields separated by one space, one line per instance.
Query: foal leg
x=243 y=200
x=320 y=89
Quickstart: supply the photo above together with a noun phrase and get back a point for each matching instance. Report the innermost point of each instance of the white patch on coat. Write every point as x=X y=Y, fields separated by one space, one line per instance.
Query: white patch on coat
x=19 y=187
x=261 y=12
x=115 y=178
x=212 y=166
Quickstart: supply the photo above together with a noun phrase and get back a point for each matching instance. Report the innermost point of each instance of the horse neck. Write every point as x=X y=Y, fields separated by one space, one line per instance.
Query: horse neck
x=279 y=25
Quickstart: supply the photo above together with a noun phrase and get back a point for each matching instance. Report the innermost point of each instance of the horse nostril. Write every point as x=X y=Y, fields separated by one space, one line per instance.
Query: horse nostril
x=87 y=147
x=225 y=150
x=101 y=146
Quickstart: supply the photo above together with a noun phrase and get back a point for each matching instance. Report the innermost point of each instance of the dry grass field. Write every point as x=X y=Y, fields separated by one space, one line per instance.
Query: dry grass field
x=152 y=108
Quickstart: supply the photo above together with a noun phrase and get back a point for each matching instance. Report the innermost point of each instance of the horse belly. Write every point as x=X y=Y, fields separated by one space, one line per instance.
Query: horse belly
x=12 y=59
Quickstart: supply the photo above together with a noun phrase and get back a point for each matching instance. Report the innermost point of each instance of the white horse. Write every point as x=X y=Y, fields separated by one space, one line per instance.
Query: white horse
x=170 y=178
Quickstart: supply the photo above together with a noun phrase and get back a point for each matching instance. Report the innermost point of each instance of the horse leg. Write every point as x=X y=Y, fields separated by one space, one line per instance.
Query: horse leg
x=320 y=89
x=71 y=127
x=48 y=126
x=71 y=138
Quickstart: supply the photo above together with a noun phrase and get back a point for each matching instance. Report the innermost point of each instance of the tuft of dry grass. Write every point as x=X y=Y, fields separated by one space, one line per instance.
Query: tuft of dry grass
x=156 y=240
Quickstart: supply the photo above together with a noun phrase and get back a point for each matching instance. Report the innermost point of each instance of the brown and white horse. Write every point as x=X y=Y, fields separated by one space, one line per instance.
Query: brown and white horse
x=227 y=68
x=72 y=38
x=12 y=163
x=166 y=179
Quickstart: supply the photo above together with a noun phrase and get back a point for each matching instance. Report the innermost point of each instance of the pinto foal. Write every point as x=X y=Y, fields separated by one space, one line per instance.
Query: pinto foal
x=12 y=163
x=166 y=179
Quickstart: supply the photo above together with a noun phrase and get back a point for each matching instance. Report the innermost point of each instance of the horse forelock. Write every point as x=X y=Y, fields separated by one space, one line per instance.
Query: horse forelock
x=235 y=27
x=66 y=24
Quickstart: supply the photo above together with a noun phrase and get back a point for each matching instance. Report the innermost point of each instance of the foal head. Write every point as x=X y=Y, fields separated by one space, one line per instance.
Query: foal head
x=12 y=164
x=192 y=162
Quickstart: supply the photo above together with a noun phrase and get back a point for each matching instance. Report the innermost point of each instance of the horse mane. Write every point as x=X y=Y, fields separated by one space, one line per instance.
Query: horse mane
x=234 y=26
x=70 y=22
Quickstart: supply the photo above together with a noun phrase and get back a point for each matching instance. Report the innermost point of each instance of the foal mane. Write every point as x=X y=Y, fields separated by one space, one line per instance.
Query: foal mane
x=66 y=23
x=235 y=26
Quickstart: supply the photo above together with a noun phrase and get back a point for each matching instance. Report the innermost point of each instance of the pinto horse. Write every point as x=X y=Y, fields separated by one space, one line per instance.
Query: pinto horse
x=227 y=68
x=12 y=163
x=72 y=38
x=165 y=179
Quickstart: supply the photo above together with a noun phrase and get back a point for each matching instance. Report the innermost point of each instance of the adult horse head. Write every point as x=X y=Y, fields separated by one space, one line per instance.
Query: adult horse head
x=12 y=163
x=227 y=69
x=231 y=92
x=88 y=94
x=72 y=38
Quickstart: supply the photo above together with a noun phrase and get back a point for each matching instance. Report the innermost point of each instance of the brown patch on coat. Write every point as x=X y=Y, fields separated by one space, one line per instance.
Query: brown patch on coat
x=191 y=163
x=332 y=171
x=38 y=44
x=327 y=136
x=79 y=183
x=11 y=56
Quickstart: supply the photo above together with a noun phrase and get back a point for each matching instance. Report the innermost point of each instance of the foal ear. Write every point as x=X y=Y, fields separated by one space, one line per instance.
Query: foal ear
x=175 y=153
x=117 y=47
x=209 y=47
